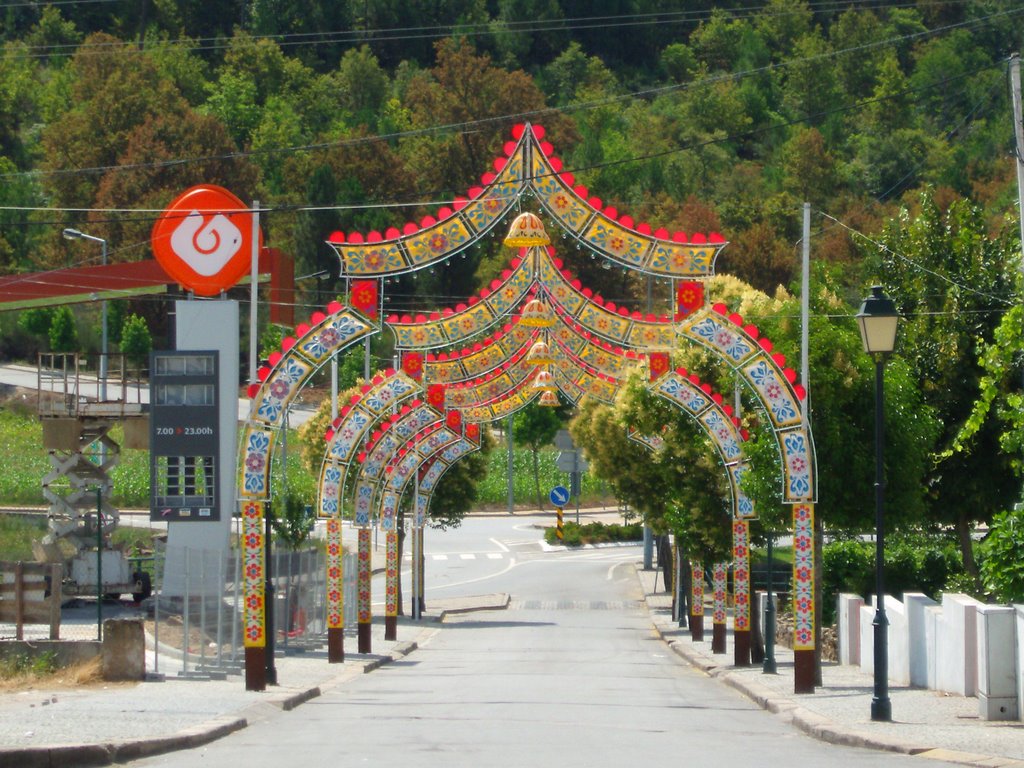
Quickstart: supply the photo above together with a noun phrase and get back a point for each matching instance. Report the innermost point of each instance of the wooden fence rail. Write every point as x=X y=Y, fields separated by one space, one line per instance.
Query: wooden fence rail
x=30 y=594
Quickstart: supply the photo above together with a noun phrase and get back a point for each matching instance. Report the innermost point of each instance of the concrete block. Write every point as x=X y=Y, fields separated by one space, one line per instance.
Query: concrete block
x=997 y=669
x=124 y=649
x=956 y=667
x=896 y=640
x=848 y=620
x=932 y=616
x=899 y=641
x=1018 y=615
x=920 y=651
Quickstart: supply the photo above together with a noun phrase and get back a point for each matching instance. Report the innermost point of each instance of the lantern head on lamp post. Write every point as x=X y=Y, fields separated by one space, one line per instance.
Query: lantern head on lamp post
x=878 y=321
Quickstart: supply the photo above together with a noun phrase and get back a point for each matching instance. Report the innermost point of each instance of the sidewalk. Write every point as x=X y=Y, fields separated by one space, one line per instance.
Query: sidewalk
x=925 y=723
x=114 y=723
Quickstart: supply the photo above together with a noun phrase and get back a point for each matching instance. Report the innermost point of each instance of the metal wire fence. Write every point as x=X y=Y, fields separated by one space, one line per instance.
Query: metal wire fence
x=197 y=608
x=193 y=619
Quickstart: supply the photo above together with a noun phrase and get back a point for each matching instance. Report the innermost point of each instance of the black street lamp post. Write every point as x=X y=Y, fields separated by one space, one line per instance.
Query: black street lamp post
x=878 y=321
x=768 y=665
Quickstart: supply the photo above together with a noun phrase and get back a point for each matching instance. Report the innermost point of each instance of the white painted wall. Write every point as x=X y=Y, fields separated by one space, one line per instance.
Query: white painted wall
x=956 y=647
x=961 y=646
x=919 y=640
x=848 y=618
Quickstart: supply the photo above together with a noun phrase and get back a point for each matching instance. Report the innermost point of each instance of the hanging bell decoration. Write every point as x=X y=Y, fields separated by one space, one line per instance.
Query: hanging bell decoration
x=544 y=381
x=527 y=231
x=548 y=398
x=536 y=315
x=540 y=354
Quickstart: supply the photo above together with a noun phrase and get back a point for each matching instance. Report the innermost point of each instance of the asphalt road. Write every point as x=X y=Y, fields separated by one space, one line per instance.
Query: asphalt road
x=570 y=675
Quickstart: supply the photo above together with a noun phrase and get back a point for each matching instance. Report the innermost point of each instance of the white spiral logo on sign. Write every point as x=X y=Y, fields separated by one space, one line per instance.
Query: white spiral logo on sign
x=206 y=245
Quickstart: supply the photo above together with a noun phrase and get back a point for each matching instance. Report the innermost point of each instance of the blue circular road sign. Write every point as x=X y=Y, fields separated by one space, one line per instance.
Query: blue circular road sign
x=559 y=496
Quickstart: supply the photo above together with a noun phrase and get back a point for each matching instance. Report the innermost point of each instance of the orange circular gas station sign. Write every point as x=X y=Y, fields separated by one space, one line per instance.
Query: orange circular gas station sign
x=204 y=239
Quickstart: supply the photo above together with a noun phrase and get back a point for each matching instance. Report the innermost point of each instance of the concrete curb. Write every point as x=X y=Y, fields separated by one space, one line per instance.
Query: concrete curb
x=500 y=604
x=74 y=755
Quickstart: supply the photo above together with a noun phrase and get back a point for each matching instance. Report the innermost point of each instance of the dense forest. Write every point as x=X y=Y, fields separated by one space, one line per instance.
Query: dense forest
x=892 y=119
x=357 y=116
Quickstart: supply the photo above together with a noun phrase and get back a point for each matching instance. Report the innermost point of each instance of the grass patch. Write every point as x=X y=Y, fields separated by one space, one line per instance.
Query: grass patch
x=493 y=488
x=28 y=674
x=26 y=463
x=24 y=664
x=595 y=533
x=17 y=532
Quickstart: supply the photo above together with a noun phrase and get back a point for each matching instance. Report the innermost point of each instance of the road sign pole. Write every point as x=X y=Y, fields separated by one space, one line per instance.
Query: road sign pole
x=577 y=482
x=559 y=532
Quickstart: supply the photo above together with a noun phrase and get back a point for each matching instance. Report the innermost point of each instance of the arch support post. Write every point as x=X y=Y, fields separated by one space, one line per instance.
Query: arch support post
x=741 y=592
x=697 y=603
x=391 y=586
x=363 y=592
x=335 y=594
x=719 y=584
x=803 y=598
x=254 y=595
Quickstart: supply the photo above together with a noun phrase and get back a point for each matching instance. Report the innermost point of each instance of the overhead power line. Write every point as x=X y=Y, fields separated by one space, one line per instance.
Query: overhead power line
x=494 y=26
x=647 y=93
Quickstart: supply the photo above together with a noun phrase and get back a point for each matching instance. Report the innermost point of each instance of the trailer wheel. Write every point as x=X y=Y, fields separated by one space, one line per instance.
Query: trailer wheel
x=144 y=586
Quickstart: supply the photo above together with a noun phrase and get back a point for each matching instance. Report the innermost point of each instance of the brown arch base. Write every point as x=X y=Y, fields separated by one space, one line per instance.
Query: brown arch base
x=718 y=638
x=363 y=637
x=255 y=669
x=741 y=648
x=697 y=627
x=803 y=671
x=335 y=645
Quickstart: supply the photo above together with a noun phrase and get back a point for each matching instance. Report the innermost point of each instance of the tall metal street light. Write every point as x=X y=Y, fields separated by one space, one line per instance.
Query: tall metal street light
x=878 y=320
x=74 y=234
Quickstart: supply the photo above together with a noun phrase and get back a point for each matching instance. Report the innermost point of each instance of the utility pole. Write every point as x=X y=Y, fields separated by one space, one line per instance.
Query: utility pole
x=254 y=282
x=1018 y=133
x=511 y=467
x=805 y=310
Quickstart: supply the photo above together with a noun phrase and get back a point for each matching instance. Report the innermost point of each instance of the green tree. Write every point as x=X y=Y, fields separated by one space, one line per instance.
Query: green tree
x=1002 y=570
x=136 y=341
x=842 y=416
x=293 y=519
x=63 y=333
x=535 y=426
x=364 y=86
x=944 y=270
x=37 y=321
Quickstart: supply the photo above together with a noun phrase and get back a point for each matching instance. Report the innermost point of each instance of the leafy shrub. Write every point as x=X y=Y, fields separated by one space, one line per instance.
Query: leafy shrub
x=1002 y=568
x=915 y=562
x=847 y=566
x=594 y=533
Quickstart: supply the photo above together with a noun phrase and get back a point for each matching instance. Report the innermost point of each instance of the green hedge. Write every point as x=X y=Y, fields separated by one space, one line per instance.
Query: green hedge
x=594 y=533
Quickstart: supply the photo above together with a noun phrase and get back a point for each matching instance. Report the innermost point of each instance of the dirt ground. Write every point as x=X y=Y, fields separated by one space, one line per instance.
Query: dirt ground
x=75 y=677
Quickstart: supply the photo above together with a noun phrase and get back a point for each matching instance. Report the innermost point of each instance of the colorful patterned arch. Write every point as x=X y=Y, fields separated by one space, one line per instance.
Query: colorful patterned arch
x=601 y=341
x=528 y=167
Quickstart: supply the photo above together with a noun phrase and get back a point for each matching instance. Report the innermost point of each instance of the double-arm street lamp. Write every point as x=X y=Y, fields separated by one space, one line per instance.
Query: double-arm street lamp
x=74 y=234
x=878 y=320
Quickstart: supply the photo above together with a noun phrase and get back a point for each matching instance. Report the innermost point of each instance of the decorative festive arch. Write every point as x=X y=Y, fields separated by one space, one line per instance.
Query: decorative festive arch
x=588 y=328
